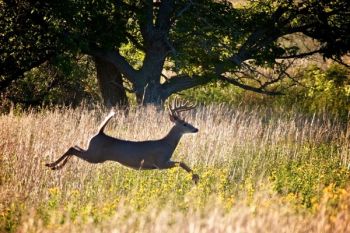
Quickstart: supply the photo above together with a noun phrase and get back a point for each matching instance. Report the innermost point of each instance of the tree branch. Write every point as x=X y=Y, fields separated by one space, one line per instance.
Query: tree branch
x=183 y=82
x=300 y=55
x=183 y=10
x=163 y=21
x=249 y=88
x=341 y=62
x=146 y=23
x=118 y=61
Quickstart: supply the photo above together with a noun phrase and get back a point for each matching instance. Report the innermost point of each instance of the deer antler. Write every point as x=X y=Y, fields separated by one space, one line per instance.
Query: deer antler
x=178 y=106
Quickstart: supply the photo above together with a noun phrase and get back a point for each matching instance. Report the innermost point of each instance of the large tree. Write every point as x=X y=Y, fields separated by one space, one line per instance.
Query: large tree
x=197 y=42
x=37 y=32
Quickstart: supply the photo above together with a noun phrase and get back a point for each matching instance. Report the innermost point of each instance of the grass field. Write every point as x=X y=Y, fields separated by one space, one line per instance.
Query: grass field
x=260 y=171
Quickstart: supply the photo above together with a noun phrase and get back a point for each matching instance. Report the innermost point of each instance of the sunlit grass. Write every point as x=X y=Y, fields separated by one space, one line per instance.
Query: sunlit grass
x=258 y=170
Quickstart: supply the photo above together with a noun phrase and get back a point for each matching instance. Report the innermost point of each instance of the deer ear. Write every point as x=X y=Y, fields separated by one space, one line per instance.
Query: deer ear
x=172 y=118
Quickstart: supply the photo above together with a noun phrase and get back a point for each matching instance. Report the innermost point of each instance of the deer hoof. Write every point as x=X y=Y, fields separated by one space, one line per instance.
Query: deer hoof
x=195 y=178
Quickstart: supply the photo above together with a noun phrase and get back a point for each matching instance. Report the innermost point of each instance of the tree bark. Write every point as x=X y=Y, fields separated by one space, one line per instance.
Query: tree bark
x=149 y=89
x=111 y=84
x=151 y=93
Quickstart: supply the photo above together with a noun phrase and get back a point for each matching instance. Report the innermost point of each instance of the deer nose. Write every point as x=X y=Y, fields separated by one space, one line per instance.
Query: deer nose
x=195 y=130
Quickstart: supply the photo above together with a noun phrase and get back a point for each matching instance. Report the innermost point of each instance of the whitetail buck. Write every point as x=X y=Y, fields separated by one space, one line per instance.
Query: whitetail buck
x=144 y=155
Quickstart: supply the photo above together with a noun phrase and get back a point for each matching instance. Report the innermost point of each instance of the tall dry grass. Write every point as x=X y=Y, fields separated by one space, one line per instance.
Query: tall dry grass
x=238 y=145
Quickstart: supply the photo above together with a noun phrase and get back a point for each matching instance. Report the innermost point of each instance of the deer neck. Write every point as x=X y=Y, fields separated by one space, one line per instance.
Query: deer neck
x=173 y=137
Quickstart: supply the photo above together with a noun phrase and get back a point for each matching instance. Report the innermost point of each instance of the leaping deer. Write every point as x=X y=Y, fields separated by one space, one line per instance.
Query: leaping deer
x=143 y=155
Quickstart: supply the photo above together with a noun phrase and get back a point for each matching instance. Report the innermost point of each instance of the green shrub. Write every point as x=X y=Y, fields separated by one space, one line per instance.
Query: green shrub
x=65 y=80
x=318 y=91
x=306 y=177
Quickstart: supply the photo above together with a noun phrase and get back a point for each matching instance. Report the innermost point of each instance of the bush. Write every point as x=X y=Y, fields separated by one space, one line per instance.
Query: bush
x=305 y=179
x=64 y=81
x=319 y=91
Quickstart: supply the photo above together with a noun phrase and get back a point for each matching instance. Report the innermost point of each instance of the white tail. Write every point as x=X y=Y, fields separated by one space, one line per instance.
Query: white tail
x=104 y=123
x=155 y=154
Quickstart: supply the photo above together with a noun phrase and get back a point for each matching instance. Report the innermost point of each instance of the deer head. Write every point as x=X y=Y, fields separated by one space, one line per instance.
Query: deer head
x=175 y=108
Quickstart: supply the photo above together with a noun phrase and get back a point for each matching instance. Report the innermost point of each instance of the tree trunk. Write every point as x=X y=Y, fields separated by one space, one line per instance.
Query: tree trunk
x=151 y=93
x=111 y=84
x=149 y=90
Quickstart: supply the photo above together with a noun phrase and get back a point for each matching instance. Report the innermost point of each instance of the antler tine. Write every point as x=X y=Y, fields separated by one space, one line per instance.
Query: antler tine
x=190 y=105
x=178 y=106
x=172 y=107
x=177 y=103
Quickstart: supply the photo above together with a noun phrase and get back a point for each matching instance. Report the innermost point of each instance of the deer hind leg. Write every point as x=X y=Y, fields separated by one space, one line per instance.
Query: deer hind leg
x=65 y=157
x=59 y=167
x=171 y=164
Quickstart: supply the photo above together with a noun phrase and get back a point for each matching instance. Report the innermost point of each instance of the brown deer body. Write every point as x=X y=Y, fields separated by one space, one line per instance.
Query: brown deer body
x=142 y=155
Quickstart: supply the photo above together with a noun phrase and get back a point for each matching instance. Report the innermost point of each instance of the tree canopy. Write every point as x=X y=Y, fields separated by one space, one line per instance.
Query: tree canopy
x=196 y=41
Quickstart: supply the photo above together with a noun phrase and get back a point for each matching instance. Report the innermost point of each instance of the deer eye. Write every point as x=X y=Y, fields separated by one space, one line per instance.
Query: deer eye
x=184 y=124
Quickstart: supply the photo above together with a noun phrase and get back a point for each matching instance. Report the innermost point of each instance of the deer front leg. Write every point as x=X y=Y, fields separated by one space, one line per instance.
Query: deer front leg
x=195 y=177
x=171 y=164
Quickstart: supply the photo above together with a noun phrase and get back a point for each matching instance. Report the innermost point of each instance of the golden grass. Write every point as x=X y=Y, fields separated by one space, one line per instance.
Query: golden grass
x=236 y=153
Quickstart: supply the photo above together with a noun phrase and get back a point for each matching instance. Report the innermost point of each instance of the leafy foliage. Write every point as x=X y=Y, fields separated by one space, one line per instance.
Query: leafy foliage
x=197 y=41
x=307 y=177
x=328 y=90
x=65 y=81
x=38 y=32
x=319 y=90
x=27 y=38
